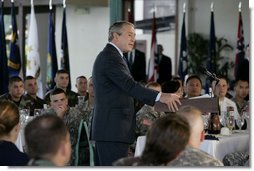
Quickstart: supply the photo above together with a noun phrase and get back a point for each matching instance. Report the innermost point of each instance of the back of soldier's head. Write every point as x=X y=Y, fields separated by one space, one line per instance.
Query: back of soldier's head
x=44 y=134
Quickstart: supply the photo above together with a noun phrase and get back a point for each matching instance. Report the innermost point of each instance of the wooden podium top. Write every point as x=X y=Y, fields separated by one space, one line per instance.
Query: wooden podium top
x=206 y=104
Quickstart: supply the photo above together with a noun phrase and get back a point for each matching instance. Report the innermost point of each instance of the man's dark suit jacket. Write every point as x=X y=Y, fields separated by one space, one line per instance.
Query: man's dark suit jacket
x=114 y=118
x=138 y=67
x=165 y=69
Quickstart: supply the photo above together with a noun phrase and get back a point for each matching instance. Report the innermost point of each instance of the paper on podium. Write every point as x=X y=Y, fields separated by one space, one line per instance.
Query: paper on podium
x=205 y=104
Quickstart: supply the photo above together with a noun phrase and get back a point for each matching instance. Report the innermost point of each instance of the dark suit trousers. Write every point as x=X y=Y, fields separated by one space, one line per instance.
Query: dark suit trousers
x=107 y=152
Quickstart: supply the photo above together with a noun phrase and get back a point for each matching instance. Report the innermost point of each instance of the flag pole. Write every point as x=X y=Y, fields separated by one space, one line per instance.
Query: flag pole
x=184 y=7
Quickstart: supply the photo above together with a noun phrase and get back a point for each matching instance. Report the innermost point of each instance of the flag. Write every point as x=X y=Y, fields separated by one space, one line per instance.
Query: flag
x=130 y=16
x=240 y=54
x=212 y=47
x=211 y=64
x=52 y=58
x=183 y=61
x=33 y=57
x=65 y=64
x=4 y=73
x=152 y=66
x=14 y=62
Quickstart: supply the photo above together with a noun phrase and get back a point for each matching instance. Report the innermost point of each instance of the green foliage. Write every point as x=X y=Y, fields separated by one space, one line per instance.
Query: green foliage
x=198 y=53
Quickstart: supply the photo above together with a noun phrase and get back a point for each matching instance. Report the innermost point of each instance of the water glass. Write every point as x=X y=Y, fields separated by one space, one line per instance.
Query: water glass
x=37 y=112
x=240 y=122
x=24 y=115
x=81 y=100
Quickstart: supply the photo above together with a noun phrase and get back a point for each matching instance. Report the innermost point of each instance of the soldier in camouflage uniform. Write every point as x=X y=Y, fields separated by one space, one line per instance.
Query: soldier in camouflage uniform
x=236 y=159
x=62 y=81
x=31 y=88
x=147 y=115
x=87 y=107
x=192 y=155
x=16 y=93
x=70 y=115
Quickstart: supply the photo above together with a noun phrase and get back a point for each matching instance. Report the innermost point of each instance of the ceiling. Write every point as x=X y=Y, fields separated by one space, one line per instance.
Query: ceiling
x=87 y=3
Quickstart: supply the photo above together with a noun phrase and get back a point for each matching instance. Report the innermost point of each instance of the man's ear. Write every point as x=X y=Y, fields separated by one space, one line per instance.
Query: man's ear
x=202 y=136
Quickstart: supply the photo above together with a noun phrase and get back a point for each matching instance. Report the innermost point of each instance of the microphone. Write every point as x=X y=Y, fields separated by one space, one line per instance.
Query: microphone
x=209 y=74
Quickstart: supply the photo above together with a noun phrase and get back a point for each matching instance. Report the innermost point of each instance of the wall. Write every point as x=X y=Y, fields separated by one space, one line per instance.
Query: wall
x=87 y=36
x=225 y=18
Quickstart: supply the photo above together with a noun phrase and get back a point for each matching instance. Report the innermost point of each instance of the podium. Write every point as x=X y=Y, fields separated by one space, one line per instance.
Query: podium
x=206 y=104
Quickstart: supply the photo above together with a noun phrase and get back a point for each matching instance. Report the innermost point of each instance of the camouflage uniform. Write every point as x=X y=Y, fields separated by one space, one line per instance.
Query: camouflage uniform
x=236 y=159
x=86 y=112
x=191 y=156
x=72 y=120
x=146 y=113
x=24 y=103
x=130 y=161
x=71 y=95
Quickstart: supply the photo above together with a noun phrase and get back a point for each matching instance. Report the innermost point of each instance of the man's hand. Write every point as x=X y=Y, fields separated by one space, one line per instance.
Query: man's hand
x=171 y=100
x=60 y=111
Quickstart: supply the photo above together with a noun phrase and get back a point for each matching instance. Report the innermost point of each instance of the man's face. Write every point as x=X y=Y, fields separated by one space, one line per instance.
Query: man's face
x=194 y=87
x=58 y=101
x=241 y=89
x=16 y=89
x=125 y=40
x=81 y=84
x=31 y=86
x=62 y=80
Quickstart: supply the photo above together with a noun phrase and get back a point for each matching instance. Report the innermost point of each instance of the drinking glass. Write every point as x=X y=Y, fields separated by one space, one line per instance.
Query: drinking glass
x=240 y=122
x=81 y=100
x=24 y=115
x=230 y=123
x=206 y=121
x=37 y=112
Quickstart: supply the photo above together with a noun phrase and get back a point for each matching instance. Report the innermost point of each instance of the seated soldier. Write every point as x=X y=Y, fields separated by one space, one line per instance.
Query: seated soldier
x=192 y=155
x=62 y=81
x=70 y=116
x=48 y=141
x=165 y=140
x=31 y=88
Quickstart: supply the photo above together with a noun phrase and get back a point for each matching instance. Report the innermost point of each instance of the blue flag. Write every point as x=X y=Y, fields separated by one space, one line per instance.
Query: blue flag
x=211 y=65
x=4 y=73
x=240 y=54
x=65 y=64
x=14 y=62
x=183 y=61
x=52 y=58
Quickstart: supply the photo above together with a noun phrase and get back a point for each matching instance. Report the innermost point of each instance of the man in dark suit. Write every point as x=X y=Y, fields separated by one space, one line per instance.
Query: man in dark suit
x=113 y=125
x=137 y=64
x=165 y=66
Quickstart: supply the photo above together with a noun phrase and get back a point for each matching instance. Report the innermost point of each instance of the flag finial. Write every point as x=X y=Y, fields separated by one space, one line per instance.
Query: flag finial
x=240 y=6
x=50 y=4
x=64 y=3
x=184 y=7
x=12 y=1
x=212 y=6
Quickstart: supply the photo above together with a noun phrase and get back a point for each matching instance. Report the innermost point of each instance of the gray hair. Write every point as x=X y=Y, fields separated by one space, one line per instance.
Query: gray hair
x=116 y=28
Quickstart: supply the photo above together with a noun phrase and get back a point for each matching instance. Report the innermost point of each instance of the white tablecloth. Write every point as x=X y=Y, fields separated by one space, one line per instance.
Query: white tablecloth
x=20 y=142
x=218 y=149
